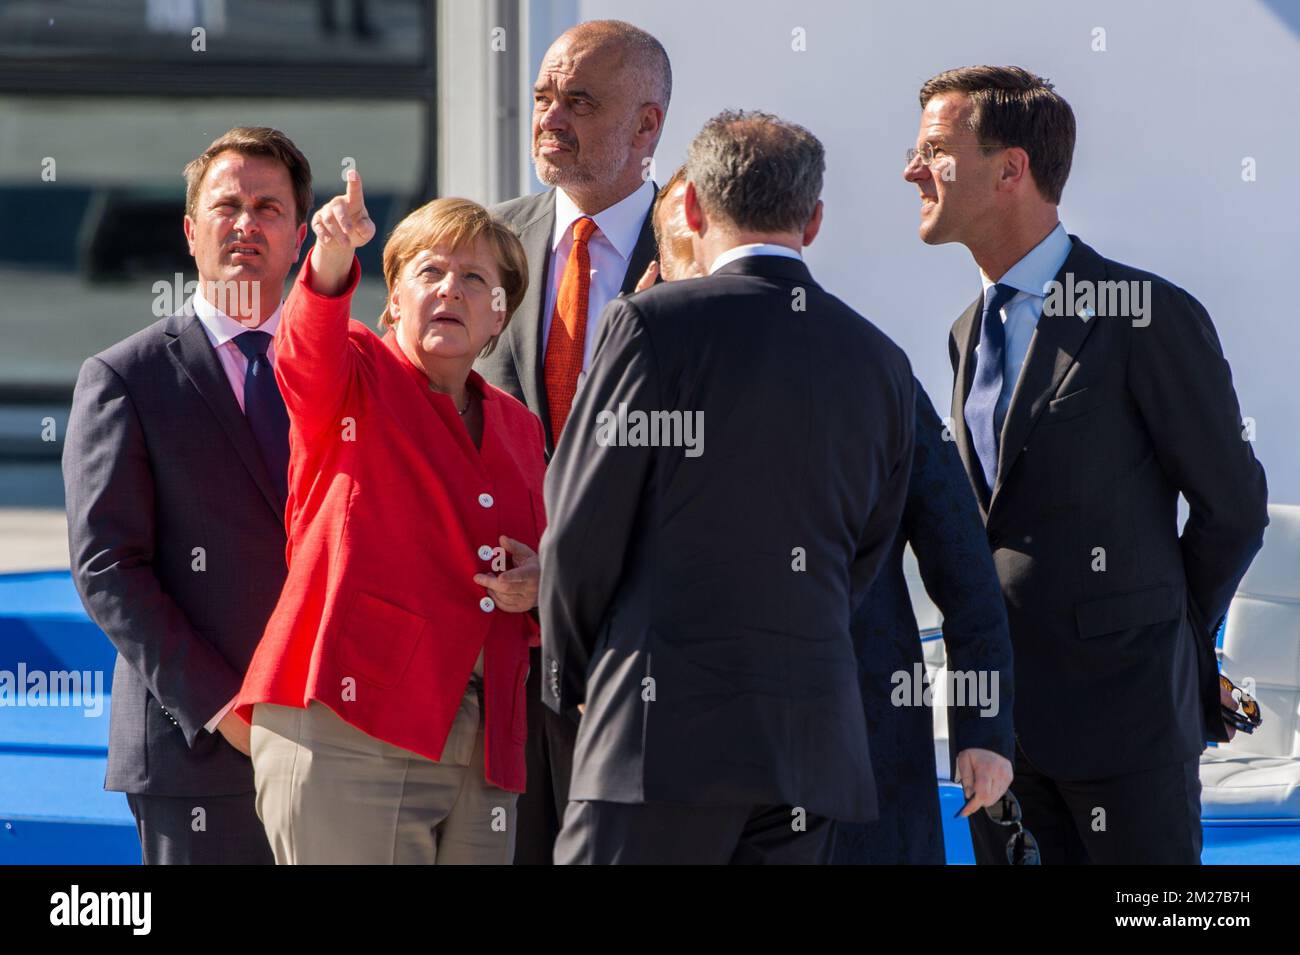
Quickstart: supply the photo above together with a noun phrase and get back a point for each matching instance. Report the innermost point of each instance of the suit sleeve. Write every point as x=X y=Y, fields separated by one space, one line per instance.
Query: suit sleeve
x=313 y=359
x=109 y=481
x=943 y=526
x=593 y=491
x=885 y=518
x=1182 y=384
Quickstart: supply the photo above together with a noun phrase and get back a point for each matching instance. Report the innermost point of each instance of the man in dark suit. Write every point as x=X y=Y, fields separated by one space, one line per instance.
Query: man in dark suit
x=696 y=595
x=175 y=469
x=1088 y=395
x=941 y=523
x=598 y=111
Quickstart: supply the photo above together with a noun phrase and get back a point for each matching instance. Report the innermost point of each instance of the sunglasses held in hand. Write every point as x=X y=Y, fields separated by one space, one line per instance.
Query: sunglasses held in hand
x=1249 y=717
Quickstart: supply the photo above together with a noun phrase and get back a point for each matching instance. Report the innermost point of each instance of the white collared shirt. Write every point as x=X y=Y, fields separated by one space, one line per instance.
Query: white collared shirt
x=610 y=248
x=753 y=248
x=221 y=330
x=1030 y=278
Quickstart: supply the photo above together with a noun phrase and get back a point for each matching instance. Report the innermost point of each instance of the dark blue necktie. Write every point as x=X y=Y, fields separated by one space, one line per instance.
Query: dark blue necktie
x=982 y=402
x=264 y=408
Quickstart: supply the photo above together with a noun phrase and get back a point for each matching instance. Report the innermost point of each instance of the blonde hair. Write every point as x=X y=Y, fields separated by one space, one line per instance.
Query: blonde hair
x=456 y=223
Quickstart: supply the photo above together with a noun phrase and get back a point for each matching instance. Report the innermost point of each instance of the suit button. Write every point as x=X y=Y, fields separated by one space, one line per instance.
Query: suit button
x=485 y=552
x=487 y=604
x=485 y=500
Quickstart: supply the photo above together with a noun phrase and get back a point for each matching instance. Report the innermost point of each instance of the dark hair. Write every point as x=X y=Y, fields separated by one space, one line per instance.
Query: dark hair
x=757 y=171
x=253 y=141
x=1013 y=107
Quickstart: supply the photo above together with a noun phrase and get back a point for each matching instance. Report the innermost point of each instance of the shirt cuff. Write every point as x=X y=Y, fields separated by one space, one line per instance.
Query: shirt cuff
x=211 y=725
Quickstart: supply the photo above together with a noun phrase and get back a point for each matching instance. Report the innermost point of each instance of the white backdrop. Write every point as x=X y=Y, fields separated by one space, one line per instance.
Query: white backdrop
x=1183 y=93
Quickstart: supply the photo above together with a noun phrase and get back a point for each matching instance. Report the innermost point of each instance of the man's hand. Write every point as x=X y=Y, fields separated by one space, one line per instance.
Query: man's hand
x=1226 y=698
x=984 y=777
x=514 y=591
x=342 y=226
x=237 y=733
x=648 y=277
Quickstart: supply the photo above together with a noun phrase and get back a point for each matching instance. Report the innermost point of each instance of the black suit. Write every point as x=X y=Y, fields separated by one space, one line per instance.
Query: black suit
x=941 y=523
x=725 y=580
x=177 y=542
x=516 y=366
x=1115 y=667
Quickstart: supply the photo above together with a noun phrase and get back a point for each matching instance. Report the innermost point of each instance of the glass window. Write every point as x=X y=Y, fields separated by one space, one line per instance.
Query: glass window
x=93 y=198
x=326 y=31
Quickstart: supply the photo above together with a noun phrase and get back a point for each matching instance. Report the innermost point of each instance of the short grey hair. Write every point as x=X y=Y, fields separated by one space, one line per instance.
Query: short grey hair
x=757 y=171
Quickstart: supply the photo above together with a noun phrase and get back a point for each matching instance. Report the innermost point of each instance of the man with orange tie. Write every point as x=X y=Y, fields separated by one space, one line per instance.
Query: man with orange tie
x=598 y=111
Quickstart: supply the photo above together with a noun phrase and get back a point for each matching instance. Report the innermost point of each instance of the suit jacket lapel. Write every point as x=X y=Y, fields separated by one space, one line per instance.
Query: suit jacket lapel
x=1052 y=350
x=966 y=334
x=191 y=349
x=645 y=251
x=535 y=235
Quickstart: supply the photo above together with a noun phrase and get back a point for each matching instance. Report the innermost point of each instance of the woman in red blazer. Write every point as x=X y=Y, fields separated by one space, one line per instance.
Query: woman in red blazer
x=387 y=694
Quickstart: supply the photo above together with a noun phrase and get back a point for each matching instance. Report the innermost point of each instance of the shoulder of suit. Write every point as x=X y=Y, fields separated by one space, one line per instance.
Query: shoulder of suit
x=1164 y=299
x=141 y=349
x=521 y=210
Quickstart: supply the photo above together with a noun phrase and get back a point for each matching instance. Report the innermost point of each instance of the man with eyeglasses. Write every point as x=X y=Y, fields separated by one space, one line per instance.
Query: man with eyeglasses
x=1088 y=396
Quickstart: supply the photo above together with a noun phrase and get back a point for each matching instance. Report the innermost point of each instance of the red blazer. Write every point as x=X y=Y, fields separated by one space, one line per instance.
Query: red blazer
x=391 y=512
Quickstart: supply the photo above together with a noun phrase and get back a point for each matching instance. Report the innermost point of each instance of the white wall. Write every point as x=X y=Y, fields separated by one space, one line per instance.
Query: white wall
x=1185 y=90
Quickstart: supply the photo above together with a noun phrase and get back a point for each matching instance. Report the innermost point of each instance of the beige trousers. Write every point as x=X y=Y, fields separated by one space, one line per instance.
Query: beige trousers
x=329 y=793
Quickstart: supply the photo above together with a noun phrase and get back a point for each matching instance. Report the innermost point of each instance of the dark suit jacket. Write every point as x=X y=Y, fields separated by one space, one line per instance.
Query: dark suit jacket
x=942 y=523
x=177 y=542
x=1108 y=424
x=516 y=364
x=727 y=579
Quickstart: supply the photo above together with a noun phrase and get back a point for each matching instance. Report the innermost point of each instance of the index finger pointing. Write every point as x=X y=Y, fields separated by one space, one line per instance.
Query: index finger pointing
x=354 y=197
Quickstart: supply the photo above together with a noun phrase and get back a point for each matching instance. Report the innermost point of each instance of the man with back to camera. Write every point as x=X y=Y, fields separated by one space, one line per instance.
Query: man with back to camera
x=1087 y=396
x=598 y=111
x=696 y=592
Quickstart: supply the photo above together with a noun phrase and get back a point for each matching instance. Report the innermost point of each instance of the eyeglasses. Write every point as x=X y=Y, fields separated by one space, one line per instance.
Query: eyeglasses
x=1250 y=716
x=1022 y=847
x=926 y=152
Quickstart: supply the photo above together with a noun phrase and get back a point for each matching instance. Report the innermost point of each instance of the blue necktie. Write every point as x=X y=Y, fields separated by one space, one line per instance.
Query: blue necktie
x=982 y=402
x=264 y=408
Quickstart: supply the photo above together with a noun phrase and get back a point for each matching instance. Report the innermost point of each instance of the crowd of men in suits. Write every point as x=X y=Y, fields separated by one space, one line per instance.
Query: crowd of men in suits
x=721 y=633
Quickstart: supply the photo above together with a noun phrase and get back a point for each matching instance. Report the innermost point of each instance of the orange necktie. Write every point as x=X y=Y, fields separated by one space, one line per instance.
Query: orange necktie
x=568 y=329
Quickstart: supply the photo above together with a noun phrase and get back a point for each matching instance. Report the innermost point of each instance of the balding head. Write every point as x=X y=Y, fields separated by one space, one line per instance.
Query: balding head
x=644 y=60
x=598 y=108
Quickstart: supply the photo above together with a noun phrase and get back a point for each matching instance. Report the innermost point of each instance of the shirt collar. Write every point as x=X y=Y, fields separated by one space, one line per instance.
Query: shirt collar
x=1039 y=267
x=474 y=380
x=753 y=248
x=221 y=328
x=620 y=224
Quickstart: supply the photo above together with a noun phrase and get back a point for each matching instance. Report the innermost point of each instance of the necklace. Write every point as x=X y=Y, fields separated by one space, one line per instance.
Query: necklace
x=462 y=411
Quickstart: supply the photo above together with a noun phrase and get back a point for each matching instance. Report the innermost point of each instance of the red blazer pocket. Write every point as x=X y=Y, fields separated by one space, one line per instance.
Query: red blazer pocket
x=378 y=639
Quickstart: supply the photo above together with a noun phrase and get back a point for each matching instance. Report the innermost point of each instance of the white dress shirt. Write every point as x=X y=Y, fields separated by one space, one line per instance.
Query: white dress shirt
x=221 y=330
x=610 y=248
x=1030 y=277
x=753 y=248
